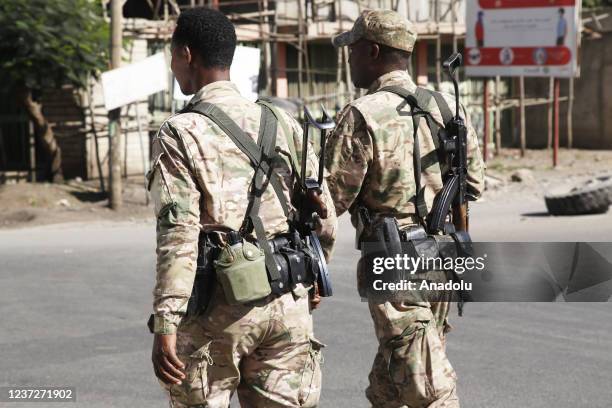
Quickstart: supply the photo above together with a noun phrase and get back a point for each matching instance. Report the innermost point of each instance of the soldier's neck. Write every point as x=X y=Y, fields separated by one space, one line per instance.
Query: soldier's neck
x=386 y=70
x=208 y=76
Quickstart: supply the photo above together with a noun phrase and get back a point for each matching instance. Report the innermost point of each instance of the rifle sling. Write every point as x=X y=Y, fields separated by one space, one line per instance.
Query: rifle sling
x=261 y=156
x=416 y=100
x=287 y=131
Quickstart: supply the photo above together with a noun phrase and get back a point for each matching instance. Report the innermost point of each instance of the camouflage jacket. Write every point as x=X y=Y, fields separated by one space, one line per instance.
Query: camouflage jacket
x=369 y=155
x=199 y=180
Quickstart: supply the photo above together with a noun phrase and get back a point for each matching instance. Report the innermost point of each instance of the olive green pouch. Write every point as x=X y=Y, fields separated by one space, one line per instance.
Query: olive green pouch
x=241 y=270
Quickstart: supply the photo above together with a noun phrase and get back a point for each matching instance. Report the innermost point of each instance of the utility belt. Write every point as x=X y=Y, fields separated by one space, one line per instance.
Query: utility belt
x=239 y=267
x=382 y=237
x=385 y=233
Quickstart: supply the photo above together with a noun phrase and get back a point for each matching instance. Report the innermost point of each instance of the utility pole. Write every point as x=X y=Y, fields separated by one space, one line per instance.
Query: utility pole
x=487 y=127
x=556 y=92
x=114 y=124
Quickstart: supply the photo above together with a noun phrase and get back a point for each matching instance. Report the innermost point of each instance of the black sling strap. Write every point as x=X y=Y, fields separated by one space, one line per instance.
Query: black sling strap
x=416 y=101
x=261 y=155
x=419 y=103
x=445 y=110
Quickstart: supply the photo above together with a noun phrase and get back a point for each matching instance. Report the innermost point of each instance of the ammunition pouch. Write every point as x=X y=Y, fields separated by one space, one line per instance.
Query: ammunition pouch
x=241 y=271
x=296 y=262
x=205 y=277
x=383 y=238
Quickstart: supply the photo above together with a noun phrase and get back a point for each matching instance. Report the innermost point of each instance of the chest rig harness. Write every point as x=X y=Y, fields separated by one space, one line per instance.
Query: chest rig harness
x=249 y=270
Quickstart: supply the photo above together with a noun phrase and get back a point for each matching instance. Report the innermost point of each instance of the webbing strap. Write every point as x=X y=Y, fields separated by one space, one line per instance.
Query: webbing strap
x=416 y=100
x=260 y=157
x=295 y=163
x=420 y=204
x=242 y=141
x=447 y=114
x=267 y=143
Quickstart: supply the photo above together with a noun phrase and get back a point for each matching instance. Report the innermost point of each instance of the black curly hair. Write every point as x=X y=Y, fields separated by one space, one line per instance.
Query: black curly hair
x=207 y=33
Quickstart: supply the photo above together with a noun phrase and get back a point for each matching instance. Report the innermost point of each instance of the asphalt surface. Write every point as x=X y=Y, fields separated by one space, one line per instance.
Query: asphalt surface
x=74 y=300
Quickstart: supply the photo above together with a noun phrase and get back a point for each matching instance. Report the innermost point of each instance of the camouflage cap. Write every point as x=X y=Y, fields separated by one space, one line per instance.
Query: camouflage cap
x=384 y=27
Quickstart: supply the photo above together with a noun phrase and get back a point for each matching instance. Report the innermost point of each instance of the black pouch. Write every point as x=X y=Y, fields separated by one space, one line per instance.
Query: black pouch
x=381 y=239
x=205 y=278
x=281 y=286
x=297 y=267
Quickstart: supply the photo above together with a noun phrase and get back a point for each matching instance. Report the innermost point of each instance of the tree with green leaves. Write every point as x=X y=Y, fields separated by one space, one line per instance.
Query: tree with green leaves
x=47 y=44
x=591 y=4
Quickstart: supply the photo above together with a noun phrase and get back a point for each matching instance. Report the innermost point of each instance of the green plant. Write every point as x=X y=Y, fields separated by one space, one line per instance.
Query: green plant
x=46 y=44
x=588 y=4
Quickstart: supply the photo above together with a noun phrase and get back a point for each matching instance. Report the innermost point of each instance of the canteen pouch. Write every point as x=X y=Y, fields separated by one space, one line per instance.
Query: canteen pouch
x=241 y=270
x=205 y=279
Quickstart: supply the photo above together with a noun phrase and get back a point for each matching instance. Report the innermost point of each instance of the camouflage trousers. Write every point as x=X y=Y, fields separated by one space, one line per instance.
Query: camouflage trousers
x=265 y=351
x=411 y=368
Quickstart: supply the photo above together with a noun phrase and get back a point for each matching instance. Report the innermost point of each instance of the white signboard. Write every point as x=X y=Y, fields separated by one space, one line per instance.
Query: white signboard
x=244 y=72
x=135 y=82
x=536 y=38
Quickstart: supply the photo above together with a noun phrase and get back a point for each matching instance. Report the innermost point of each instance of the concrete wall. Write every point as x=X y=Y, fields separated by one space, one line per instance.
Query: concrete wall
x=593 y=106
x=592 y=116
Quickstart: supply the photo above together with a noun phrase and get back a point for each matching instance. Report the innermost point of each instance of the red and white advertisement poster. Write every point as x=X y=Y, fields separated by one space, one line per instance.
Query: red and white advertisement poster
x=538 y=38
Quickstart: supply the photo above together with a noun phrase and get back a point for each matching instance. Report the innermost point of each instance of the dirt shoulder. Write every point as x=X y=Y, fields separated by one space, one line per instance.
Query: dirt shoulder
x=532 y=176
x=509 y=176
x=33 y=204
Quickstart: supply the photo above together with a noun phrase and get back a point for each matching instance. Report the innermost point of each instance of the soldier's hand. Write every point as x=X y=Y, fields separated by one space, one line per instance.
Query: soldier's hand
x=316 y=201
x=166 y=364
x=315 y=297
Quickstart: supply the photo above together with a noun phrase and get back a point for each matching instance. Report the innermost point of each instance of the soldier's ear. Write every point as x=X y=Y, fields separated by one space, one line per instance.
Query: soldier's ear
x=187 y=54
x=374 y=51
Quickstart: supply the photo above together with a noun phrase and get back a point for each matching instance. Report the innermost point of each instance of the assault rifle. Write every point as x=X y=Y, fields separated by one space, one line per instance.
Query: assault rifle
x=453 y=141
x=309 y=201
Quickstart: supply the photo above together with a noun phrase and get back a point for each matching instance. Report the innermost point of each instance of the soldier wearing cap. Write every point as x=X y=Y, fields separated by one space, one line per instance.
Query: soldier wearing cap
x=202 y=183
x=369 y=158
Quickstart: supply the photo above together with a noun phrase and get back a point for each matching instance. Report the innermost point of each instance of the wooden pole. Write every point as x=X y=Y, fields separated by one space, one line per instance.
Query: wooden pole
x=438 y=62
x=570 y=112
x=453 y=21
x=124 y=168
x=273 y=48
x=549 y=111
x=142 y=150
x=349 y=81
x=522 y=114
x=95 y=136
x=32 y=142
x=498 y=113
x=485 y=109
x=265 y=47
x=556 y=120
x=438 y=45
x=300 y=47
x=114 y=124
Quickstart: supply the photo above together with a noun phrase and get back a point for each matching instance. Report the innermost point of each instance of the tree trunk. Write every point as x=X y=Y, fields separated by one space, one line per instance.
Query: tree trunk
x=43 y=133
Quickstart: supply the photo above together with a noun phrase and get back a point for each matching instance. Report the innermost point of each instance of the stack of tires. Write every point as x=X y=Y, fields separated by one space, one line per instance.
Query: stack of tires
x=591 y=197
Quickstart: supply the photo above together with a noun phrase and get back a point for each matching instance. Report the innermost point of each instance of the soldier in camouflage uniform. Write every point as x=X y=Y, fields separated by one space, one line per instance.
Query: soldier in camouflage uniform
x=369 y=158
x=199 y=181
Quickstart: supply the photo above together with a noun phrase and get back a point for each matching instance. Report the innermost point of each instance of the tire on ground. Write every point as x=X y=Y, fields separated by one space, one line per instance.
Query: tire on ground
x=591 y=197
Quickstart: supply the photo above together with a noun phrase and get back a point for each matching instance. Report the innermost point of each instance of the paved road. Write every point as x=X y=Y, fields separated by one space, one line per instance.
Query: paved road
x=74 y=300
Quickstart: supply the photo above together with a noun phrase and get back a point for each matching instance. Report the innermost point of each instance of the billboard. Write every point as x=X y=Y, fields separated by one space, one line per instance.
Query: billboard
x=538 y=38
x=135 y=82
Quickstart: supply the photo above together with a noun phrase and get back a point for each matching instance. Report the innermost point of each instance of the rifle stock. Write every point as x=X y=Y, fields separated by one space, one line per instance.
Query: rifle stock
x=460 y=217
